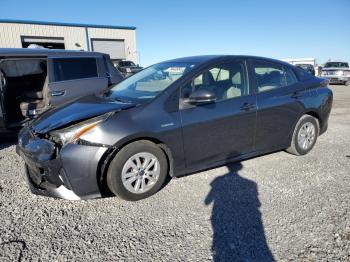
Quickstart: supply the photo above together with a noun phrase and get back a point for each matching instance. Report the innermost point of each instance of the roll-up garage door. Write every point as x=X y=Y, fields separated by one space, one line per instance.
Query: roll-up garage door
x=47 y=42
x=115 y=48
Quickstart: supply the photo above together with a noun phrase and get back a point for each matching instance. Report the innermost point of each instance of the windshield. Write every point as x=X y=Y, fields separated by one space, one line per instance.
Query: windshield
x=336 y=64
x=149 y=82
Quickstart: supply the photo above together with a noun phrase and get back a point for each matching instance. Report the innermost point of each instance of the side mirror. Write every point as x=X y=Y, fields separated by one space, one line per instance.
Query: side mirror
x=201 y=97
x=160 y=75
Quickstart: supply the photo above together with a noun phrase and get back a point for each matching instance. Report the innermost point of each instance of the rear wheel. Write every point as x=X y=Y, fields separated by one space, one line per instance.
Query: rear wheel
x=347 y=83
x=137 y=171
x=304 y=136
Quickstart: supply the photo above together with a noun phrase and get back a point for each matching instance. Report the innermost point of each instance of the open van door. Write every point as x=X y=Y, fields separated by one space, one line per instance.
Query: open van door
x=2 y=90
x=113 y=74
x=73 y=77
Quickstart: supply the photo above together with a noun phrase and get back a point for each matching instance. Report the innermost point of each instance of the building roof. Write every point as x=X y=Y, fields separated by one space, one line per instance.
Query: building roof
x=15 y=21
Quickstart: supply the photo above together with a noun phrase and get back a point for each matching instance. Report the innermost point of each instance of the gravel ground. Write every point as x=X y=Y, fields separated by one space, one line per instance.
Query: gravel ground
x=276 y=207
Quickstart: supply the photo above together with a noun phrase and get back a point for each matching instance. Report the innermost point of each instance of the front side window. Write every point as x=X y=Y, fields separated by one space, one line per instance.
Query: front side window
x=151 y=81
x=74 y=68
x=271 y=76
x=226 y=81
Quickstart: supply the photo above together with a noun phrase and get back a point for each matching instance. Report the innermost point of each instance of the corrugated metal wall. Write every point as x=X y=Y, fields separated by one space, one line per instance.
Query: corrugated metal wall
x=10 y=36
x=129 y=36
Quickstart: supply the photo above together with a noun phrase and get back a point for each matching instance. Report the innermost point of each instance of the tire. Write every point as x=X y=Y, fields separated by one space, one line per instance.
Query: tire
x=130 y=164
x=297 y=148
x=347 y=83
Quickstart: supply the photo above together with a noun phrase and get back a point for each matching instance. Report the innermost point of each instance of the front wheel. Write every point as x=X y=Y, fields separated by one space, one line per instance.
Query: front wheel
x=137 y=171
x=304 y=136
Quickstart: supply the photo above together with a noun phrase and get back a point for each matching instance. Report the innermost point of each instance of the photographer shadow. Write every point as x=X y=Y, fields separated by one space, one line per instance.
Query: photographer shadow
x=238 y=232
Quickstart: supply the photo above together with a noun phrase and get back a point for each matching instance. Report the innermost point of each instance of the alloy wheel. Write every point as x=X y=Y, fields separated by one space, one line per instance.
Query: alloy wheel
x=140 y=172
x=306 y=135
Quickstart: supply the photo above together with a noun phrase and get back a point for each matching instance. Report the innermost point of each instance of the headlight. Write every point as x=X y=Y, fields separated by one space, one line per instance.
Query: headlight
x=72 y=133
x=324 y=73
x=340 y=73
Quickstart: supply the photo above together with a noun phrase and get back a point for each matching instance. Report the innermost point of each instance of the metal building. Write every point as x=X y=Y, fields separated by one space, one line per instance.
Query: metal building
x=117 y=41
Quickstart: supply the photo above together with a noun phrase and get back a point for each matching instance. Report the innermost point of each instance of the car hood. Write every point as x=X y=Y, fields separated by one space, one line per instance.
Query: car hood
x=336 y=68
x=76 y=111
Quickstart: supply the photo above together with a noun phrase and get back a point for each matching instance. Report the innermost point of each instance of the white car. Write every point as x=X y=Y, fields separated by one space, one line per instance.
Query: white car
x=337 y=72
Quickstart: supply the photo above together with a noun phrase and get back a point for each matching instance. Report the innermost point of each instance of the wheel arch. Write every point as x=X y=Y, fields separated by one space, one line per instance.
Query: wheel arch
x=112 y=151
x=314 y=114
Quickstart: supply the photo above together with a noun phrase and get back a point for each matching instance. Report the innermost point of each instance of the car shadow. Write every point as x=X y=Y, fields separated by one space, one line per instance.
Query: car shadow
x=6 y=142
x=238 y=231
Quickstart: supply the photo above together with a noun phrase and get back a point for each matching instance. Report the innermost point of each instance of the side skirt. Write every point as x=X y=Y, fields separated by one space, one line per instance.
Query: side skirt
x=203 y=167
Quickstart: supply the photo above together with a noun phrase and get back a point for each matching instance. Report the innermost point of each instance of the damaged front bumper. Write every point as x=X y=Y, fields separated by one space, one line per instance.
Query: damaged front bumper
x=69 y=173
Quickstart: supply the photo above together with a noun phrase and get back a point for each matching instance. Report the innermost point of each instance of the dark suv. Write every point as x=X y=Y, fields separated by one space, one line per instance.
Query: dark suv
x=128 y=68
x=34 y=80
x=307 y=67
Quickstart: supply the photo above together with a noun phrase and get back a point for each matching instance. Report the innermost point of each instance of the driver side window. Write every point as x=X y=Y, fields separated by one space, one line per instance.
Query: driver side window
x=226 y=81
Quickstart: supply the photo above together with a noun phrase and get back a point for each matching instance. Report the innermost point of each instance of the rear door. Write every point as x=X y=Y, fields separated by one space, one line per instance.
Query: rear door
x=225 y=128
x=74 y=77
x=279 y=102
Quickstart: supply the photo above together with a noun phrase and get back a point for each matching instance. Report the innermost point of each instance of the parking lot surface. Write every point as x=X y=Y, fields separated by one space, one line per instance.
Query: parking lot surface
x=275 y=207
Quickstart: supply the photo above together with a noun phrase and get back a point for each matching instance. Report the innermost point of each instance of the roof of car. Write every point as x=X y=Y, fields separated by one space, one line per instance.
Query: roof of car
x=209 y=58
x=43 y=52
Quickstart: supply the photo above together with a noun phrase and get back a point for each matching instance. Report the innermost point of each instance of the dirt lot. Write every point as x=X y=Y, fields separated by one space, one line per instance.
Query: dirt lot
x=276 y=207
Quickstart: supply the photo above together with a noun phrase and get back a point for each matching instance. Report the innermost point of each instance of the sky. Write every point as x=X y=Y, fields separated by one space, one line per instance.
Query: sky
x=170 y=29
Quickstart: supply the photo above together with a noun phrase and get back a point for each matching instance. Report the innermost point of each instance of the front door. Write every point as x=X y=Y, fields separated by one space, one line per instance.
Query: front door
x=222 y=129
x=71 y=78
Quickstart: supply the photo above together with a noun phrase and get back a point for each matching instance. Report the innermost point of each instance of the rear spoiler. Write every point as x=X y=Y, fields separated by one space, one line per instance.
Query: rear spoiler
x=324 y=82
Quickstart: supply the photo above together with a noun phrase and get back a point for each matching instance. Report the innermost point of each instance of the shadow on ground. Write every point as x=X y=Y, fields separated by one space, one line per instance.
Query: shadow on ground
x=7 y=142
x=236 y=219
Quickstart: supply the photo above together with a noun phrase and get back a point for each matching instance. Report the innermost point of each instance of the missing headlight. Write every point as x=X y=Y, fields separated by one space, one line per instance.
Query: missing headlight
x=72 y=133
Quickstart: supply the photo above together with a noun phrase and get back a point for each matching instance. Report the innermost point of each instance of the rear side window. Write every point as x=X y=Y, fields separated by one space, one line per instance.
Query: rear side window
x=303 y=75
x=74 y=68
x=290 y=76
x=271 y=76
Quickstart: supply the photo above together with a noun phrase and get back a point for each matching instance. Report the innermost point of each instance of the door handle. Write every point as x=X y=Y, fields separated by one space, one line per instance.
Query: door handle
x=58 y=93
x=247 y=106
x=295 y=95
